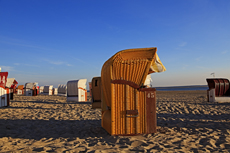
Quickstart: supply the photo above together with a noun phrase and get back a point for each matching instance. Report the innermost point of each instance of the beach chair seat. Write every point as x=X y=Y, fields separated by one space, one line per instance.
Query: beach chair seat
x=128 y=107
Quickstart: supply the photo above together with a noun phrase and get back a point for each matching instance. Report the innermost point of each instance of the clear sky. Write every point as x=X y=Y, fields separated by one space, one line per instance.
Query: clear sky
x=53 y=41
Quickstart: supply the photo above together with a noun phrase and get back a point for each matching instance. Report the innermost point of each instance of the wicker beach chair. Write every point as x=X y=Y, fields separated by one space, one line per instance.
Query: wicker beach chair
x=96 y=92
x=128 y=107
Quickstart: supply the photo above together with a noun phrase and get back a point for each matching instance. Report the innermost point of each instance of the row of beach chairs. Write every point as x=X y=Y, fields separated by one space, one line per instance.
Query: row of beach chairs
x=127 y=104
x=74 y=90
x=122 y=92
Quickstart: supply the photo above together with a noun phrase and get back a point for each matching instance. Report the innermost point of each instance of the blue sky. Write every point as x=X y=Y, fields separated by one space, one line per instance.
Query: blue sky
x=53 y=41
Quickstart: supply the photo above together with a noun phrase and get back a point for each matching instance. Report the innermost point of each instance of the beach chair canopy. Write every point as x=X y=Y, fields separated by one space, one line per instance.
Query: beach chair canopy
x=132 y=65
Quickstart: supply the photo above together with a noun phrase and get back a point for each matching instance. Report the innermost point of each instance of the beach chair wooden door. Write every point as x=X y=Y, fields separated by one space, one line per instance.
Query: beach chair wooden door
x=133 y=110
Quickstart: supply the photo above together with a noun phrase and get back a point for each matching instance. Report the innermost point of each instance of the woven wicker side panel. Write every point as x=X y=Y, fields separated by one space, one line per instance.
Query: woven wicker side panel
x=106 y=121
x=106 y=82
x=140 y=120
x=117 y=109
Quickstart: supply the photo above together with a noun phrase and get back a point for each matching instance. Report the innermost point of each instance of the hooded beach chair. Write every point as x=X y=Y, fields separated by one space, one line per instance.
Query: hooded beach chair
x=20 y=90
x=41 y=89
x=11 y=84
x=37 y=88
x=55 y=91
x=96 y=92
x=48 y=90
x=219 y=90
x=30 y=89
x=76 y=90
x=4 y=93
x=62 y=90
x=128 y=107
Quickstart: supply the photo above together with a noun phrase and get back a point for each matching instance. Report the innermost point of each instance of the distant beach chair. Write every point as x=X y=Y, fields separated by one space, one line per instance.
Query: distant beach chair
x=55 y=91
x=76 y=90
x=11 y=85
x=128 y=107
x=219 y=90
x=62 y=90
x=48 y=90
x=96 y=92
x=4 y=92
x=20 y=90
x=30 y=89
x=41 y=89
x=37 y=88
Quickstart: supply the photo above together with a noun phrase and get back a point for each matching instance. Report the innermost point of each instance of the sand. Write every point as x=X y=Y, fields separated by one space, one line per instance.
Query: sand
x=186 y=123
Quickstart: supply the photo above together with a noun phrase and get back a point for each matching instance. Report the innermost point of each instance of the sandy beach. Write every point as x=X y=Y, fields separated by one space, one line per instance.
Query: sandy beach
x=186 y=122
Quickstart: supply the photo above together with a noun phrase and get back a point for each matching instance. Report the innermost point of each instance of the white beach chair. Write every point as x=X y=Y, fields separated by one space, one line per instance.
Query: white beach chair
x=76 y=90
x=30 y=89
x=41 y=89
x=55 y=91
x=48 y=90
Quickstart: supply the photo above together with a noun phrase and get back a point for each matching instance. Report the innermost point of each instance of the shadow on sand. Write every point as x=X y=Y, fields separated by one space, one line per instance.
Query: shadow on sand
x=37 y=129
